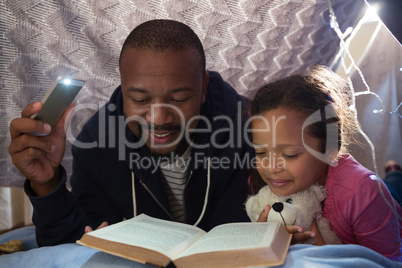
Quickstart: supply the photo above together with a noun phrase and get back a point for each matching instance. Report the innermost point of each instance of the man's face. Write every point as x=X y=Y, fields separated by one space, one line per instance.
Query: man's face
x=163 y=90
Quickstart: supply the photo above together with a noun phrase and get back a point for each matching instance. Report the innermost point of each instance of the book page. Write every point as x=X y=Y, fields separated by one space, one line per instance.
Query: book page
x=234 y=236
x=169 y=238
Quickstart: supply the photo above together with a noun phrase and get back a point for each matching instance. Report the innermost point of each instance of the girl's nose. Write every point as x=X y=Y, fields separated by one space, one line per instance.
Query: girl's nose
x=272 y=165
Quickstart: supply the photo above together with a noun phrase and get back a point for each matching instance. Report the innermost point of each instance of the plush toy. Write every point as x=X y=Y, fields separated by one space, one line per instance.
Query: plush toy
x=297 y=209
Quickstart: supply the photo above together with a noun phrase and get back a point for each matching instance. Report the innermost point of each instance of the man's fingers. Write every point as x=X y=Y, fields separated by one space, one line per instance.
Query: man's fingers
x=89 y=228
x=24 y=142
x=103 y=224
x=62 y=124
x=25 y=124
x=19 y=126
x=25 y=158
x=31 y=108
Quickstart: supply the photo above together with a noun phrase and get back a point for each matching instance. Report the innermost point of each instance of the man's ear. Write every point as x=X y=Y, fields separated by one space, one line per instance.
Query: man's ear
x=204 y=87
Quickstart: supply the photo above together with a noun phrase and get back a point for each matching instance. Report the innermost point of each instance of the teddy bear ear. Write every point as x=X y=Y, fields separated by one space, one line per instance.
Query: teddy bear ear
x=256 y=203
x=319 y=191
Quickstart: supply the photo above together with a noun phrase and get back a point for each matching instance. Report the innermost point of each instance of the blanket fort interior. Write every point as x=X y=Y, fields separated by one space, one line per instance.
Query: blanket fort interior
x=248 y=42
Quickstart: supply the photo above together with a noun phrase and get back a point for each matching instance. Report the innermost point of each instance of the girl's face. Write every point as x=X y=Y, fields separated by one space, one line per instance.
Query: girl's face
x=282 y=160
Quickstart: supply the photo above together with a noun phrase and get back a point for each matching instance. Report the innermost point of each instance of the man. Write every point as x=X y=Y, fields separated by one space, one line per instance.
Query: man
x=156 y=147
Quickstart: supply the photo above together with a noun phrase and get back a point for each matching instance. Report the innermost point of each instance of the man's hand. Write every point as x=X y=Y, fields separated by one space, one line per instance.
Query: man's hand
x=89 y=228
x=38 y=158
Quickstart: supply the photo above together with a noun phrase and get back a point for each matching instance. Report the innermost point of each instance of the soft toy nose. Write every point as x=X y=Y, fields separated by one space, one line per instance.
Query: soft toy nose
x=278 y=206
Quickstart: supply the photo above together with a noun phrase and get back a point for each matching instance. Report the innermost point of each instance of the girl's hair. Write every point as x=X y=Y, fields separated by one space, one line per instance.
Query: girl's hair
x=309 y=94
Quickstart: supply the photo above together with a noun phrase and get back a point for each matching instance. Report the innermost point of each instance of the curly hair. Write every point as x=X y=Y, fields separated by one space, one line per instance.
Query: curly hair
x=308 y=94
x=161 y=35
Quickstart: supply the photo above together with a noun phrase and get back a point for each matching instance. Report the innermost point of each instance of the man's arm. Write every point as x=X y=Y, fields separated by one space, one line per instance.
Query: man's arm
x=61 y=216
x=38 y=158
x=56 y=216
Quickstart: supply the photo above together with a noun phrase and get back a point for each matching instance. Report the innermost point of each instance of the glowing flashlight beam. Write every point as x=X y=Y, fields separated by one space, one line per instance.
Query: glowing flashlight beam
x=66 y=81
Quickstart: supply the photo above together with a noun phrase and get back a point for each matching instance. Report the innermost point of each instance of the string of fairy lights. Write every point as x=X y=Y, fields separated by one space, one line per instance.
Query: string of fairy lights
x=344 y=52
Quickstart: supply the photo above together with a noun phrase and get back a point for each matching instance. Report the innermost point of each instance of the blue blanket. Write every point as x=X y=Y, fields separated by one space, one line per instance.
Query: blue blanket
x=74 y=255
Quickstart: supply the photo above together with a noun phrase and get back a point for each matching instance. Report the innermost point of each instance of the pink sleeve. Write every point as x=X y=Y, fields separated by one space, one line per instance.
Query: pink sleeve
x=373 y=223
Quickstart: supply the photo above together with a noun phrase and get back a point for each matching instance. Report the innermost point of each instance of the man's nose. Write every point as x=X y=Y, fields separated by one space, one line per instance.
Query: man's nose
x=160 y=114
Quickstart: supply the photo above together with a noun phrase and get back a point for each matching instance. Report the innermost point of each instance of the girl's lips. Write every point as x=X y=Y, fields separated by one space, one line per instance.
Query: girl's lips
x=279 y=183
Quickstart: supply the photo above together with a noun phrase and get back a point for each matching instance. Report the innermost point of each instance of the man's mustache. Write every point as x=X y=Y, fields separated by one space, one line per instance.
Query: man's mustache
x=161 y=128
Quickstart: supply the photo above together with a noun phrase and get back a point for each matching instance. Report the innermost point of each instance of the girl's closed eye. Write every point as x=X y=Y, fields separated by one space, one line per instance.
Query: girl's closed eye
x=290 y=155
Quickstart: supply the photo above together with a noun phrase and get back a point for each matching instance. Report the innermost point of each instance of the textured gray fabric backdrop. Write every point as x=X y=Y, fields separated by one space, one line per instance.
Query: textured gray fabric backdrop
x=248 y=42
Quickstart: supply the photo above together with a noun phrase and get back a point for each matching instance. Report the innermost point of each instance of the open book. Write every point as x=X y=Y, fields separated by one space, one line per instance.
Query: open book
x=158 y=242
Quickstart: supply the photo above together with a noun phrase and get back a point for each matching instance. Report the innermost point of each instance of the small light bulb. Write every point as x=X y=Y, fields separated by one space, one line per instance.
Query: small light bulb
x=381 y=111
x=333 y=24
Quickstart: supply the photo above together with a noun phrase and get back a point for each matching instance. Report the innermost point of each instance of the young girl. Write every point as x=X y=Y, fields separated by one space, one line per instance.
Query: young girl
x=301 y=128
